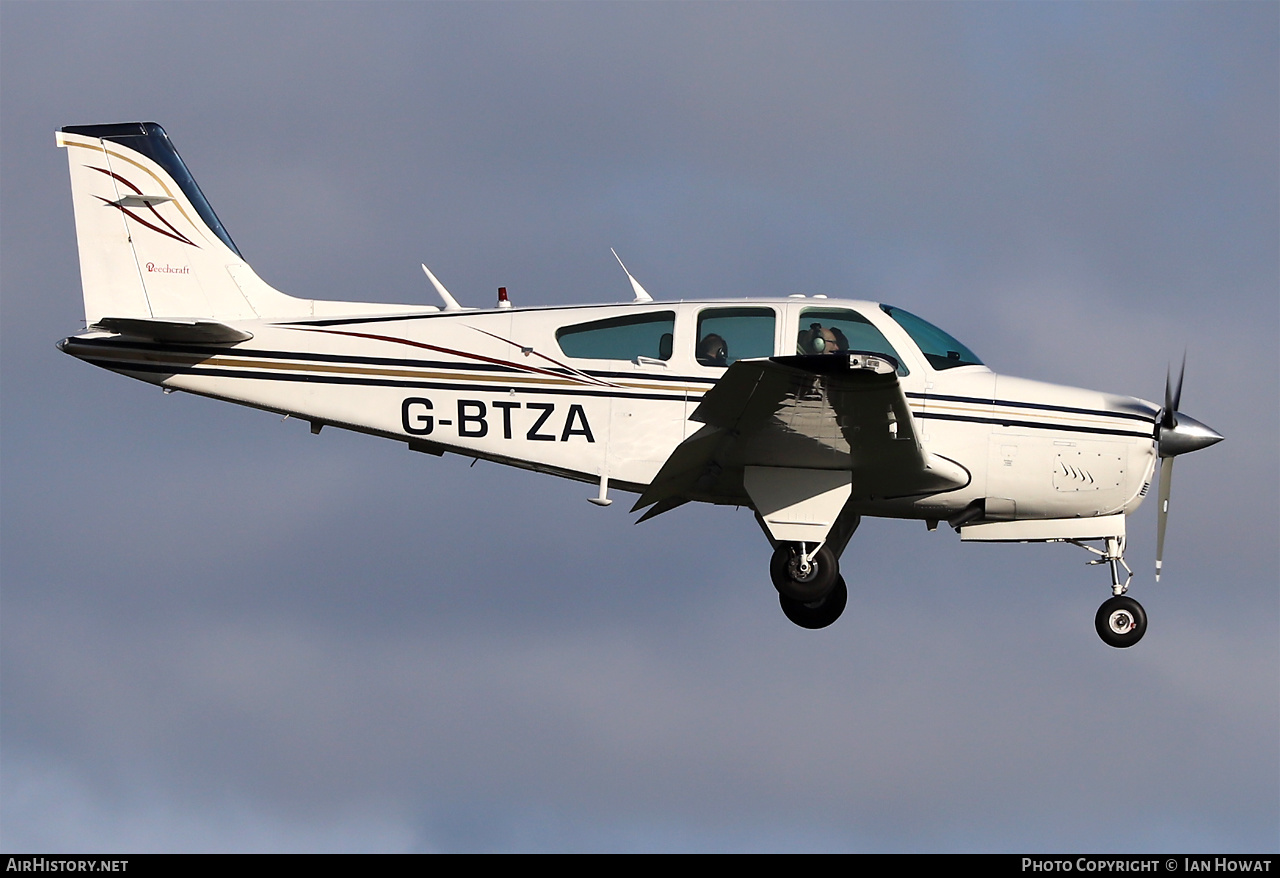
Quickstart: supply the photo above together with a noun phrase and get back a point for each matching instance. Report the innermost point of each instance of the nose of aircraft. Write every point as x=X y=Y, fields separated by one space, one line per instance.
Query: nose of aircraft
x=1185 y=434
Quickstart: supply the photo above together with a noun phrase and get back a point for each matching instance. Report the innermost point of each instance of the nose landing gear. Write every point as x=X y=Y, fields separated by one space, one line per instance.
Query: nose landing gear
x=1120 y=621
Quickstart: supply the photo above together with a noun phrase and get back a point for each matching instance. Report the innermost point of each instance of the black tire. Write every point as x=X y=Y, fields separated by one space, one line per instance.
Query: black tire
x=1121 y=621
x=784 y=570
x=818 y=614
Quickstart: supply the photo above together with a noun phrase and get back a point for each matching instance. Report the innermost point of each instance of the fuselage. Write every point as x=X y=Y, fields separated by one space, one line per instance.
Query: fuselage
x=608 y=391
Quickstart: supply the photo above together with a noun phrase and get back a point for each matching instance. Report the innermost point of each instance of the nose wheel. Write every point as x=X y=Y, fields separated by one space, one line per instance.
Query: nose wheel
x=1121 y=621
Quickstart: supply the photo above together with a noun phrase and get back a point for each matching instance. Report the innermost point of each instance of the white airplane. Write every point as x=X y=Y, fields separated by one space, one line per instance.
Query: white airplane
x=813 y=412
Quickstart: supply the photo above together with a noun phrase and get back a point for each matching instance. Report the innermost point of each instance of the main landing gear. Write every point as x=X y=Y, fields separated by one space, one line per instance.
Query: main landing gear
x=810 y=588
x=1120 y=621
x=820 y=613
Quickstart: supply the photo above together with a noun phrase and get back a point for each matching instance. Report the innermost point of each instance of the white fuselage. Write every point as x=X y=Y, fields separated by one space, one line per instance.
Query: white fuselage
x=500 y=385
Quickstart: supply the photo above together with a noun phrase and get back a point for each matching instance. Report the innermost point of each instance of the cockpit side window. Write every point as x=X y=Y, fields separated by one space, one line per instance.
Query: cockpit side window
x=620 y=338
x=940 y=349
x=726 y=335
x=839 y=330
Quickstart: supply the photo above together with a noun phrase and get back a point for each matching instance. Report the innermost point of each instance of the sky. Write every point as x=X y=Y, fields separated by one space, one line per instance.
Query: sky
x=221 y=633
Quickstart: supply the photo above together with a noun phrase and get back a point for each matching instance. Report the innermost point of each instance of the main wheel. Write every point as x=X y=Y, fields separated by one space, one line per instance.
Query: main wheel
x=798 y=581
x=1121 y=621
x=818 y=614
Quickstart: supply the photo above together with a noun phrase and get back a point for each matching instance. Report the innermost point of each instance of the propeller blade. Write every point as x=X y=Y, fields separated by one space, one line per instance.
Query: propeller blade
x=1162 y=510
x=1172 y=395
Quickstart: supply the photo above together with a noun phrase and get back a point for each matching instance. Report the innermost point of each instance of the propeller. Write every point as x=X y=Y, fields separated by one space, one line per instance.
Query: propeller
x=1176 y=434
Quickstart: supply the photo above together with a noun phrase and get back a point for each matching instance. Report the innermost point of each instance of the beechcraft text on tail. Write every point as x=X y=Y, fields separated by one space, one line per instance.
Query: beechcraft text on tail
x=812 y=412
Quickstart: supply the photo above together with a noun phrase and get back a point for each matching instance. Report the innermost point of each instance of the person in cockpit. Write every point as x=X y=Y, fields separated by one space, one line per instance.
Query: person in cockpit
x=713 y=350
x=819 y=339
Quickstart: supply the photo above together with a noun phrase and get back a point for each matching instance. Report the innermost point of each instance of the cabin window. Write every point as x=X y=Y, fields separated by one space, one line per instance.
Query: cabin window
x=940 y=349
x=839 y=330
x=620 y=338
x=726 y=335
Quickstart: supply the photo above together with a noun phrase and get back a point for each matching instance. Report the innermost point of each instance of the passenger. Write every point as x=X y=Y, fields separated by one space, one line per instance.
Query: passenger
x=713 y=350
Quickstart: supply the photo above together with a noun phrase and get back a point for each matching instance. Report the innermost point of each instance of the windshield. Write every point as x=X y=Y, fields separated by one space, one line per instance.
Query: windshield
x=940 y=349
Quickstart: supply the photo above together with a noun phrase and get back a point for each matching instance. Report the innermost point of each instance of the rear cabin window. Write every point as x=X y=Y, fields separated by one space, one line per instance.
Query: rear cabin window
x=726 y=335
x=620 y=338
x=839 y=330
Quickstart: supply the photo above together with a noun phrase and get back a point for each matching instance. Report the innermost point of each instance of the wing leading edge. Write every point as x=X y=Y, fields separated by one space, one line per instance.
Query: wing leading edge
x=844 y=415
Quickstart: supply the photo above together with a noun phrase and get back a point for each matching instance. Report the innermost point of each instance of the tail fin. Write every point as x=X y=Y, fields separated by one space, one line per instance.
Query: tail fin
x=151 y=247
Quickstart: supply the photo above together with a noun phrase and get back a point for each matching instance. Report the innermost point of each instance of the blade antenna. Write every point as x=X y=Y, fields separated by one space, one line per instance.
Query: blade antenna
x=642 y=295
x=450 y=303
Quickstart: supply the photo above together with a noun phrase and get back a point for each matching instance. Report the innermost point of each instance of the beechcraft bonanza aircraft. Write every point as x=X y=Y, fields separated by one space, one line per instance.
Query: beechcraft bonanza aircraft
x=813 y=412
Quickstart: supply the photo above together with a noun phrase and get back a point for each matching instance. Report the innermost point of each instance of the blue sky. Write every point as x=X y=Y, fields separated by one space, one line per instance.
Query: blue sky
x=222 y=633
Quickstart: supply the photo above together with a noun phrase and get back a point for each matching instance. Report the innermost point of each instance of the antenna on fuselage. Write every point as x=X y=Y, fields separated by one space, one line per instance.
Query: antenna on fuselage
x=642 y=294
x=450 y=303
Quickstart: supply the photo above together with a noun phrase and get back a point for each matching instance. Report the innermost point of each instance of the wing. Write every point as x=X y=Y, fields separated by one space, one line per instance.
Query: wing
x=841 y=412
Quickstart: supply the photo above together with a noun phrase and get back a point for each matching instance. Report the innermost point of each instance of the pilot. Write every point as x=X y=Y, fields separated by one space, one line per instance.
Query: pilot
x=818 y=339
x=713 y=350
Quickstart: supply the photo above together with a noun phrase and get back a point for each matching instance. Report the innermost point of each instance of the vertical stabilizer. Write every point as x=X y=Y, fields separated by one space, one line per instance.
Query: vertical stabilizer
x=151 y=247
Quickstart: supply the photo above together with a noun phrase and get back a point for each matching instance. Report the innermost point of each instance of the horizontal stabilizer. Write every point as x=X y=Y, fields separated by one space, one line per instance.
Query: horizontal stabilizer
x=179 y=331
